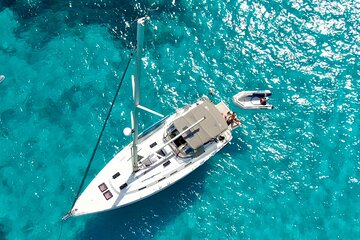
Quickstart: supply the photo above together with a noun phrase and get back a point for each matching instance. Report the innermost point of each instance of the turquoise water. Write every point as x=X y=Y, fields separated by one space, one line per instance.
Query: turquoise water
x=289 y=173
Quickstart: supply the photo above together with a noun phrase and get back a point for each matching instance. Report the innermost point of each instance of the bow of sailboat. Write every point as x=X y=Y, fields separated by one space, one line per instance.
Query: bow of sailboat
x=103 y=192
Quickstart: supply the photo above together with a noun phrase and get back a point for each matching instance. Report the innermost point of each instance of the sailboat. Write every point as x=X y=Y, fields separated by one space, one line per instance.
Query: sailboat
x=161 y=155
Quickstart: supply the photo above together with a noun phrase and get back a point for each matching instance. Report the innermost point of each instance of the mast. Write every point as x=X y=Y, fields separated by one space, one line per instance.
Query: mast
x=136 y=87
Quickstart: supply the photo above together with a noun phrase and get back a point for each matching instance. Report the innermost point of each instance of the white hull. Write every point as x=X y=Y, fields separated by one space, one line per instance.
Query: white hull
x=251 y=99
x=148 y=180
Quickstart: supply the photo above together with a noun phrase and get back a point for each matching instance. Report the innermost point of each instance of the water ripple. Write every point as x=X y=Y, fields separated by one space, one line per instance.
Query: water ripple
x=289 y=173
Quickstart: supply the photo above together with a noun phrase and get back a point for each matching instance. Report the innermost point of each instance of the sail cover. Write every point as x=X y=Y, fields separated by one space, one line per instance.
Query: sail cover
x=213 y=124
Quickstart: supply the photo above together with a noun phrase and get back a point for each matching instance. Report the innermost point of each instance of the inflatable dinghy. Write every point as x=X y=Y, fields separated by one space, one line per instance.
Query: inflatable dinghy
x=253 y=99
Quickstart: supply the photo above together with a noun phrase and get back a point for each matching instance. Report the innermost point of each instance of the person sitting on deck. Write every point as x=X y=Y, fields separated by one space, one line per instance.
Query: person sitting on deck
x=232 y=120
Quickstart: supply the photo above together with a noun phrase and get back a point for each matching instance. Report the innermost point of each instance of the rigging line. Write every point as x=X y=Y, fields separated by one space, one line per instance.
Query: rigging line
x=101 y=133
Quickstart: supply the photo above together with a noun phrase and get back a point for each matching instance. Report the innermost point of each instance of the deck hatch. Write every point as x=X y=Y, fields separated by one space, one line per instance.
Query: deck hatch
x=108 y=195
x=103 y=187
x=153 y=144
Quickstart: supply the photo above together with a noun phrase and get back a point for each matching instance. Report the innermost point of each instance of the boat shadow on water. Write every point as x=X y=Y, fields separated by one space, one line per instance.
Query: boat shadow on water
x=145 y=218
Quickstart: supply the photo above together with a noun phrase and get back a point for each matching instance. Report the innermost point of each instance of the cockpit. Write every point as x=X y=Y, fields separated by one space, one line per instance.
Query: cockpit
x=179 y=145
